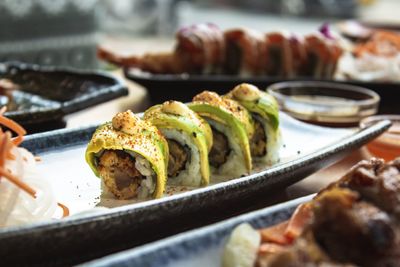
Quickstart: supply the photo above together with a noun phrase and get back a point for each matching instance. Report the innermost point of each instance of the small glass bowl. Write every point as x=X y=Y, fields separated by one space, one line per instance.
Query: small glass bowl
x=325 y=103
x=387 y=145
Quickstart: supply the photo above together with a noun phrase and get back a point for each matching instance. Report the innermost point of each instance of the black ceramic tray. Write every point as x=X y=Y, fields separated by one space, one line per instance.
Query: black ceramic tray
x=200 y=247
x=47 y=94
x=85 y=237
x=162 y=87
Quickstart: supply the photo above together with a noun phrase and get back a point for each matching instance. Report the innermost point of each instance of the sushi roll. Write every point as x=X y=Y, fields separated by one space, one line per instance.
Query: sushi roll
x=279 y=55
x=336 y=53
x=299 y=55
x=318 y=54
x=245 y=52
x=201 y=48
x=232 y=128
x=265 y=142
x=130 y=156
x=189 y=140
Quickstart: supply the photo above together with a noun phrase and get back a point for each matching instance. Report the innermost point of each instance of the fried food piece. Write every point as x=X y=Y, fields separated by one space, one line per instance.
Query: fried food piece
x=349 y=230
x=376 y=182
x=345 y=231
x=152 y=62
x=355 y=221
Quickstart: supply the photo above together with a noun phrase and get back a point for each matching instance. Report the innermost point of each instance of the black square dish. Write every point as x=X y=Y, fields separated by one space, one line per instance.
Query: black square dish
x=46 y=94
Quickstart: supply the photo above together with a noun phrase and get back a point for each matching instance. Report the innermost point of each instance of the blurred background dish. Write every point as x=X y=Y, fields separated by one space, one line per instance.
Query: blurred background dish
x=66 y=32
x=185 y=86
x=39 y=97
x=372 y=71
x=362 y=30
x=46 y=32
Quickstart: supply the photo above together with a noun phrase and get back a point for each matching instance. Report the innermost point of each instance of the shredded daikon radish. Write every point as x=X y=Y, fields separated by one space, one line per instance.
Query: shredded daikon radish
x=25 y=196
x=18 y=207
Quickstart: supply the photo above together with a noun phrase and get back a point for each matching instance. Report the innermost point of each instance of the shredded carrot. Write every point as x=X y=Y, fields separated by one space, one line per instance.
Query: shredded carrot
x=300 y=218
x=18 y=182
x=276 y=234
x=3 y=148
x=12 y=125
x=64 y=208
x=18 y=140
x=6 y=145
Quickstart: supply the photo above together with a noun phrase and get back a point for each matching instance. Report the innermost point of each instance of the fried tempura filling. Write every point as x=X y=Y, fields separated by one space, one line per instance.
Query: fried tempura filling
x=220 y=150
x=178 y=156
x=117 y=168
x=258 y=144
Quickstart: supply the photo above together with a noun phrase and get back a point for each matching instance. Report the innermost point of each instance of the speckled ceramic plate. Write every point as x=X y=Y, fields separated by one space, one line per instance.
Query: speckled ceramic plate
x=46 y=94
x=95 y=233
x=200 y=247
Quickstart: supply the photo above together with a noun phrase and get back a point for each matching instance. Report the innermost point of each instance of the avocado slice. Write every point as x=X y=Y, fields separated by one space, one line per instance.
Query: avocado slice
x=210 y=105
x=257 y=101
x=176 y=115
